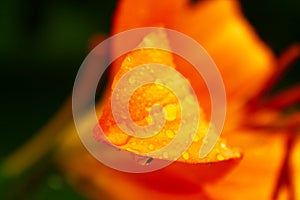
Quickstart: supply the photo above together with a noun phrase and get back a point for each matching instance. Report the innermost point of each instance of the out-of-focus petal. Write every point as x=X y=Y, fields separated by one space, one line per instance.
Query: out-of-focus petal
x=256 y=176
x=296 y=168
x=98 y=181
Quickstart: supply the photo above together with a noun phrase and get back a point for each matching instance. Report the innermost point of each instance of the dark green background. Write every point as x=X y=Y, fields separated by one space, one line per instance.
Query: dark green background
x=42 y=45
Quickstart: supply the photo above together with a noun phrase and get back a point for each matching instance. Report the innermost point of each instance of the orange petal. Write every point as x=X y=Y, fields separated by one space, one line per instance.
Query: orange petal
x=221 y=29
x=254 y=178
x=256 y=175
x=179 y=181
x=295 y=168
x=97 y=181
x=219 y=160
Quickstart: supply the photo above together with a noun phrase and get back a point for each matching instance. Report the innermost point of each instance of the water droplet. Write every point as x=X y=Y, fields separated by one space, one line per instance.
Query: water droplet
x=223 y=145
x=171 y=111
x=220 y=157
x=131 y=80
x=131 y=150
x=196 y=138
x=159 y=84
x=149 y=120
x=150 y=146
x=170 y=134
x=186 y=155
x=133 y=143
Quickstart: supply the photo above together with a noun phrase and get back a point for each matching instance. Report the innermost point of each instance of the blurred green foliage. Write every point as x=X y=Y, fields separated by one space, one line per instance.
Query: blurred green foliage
x=42 y=45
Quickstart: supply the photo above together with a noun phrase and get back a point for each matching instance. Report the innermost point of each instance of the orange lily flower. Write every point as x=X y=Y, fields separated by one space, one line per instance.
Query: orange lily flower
x=222 y=30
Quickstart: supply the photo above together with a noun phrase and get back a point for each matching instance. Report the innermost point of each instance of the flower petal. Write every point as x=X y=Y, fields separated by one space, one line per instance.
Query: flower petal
x=221 y=29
